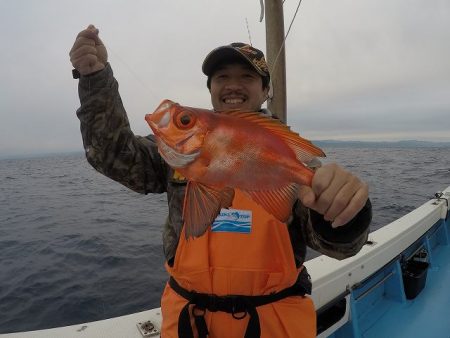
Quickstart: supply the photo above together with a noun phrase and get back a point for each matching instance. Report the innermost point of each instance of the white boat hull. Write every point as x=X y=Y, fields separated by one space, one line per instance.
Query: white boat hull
x=332 y=279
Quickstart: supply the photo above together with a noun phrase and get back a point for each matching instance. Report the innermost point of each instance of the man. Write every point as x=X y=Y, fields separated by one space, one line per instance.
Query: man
x=223 y=284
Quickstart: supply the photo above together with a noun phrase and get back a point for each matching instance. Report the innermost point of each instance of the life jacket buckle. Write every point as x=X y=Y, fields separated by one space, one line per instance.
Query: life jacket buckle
x=214 y=303
x=238 y=307
x=198 y=311
x=239 y=314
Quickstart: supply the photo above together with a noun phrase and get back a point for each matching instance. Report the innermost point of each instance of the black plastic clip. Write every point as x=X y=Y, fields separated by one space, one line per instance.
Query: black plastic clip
x=438 y=196
x=75 y=74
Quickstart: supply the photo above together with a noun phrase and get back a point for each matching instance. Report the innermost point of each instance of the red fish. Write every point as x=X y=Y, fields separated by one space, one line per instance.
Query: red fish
x=221 y=151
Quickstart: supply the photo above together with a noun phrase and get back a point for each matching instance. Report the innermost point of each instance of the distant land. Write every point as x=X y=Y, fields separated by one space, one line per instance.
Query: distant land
x=381 y=144
x=319 y=143
x=41 y=154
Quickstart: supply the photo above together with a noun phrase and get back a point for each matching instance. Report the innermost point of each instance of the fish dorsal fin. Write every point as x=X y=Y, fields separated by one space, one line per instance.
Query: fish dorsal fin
x=278 y=202
x=201 y=206
x=304 y=150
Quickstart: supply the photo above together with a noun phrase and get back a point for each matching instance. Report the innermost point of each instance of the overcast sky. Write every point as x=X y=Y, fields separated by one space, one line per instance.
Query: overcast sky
x=356 y=70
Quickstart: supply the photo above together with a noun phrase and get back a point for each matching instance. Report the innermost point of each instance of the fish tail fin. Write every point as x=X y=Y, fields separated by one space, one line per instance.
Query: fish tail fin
x=304 y=176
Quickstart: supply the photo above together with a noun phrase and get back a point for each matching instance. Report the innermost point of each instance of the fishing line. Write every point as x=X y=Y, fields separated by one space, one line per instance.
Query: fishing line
x=282 y=44
x=284 y=40
x=133 y=73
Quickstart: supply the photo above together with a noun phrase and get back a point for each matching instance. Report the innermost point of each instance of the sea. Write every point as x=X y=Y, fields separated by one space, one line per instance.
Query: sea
x=76 y=246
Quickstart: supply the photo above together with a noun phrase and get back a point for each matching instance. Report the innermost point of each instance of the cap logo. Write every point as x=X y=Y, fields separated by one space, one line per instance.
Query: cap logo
x=247 y=49
x=260 y=62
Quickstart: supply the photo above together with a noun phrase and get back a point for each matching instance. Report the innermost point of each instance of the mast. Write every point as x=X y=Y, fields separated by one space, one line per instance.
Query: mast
x=274 y=42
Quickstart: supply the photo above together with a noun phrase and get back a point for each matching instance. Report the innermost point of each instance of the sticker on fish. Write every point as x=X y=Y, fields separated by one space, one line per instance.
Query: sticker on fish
x=218 y=152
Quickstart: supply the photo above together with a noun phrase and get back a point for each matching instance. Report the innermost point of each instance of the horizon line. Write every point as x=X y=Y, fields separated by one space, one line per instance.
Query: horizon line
x=32 y=154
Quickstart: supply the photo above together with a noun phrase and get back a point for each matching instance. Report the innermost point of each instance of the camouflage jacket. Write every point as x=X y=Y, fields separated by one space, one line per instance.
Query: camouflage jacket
x=113 y=150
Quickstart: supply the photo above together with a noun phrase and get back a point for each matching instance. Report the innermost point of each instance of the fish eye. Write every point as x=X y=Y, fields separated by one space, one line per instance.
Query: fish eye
x=184 y=120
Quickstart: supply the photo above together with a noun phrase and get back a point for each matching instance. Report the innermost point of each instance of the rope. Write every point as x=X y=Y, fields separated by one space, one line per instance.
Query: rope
x=284 y=40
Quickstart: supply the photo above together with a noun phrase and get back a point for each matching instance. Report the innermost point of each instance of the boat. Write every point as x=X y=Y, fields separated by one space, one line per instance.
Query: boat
x=396 y=286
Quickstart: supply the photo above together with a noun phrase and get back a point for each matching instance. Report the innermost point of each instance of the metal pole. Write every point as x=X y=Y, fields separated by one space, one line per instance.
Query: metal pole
x=274 y=41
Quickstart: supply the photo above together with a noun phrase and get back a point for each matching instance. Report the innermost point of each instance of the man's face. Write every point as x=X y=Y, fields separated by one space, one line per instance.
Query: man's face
x=237 y=86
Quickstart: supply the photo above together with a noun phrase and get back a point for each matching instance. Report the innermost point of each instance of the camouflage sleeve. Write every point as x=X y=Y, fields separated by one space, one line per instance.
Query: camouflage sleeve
x=339 y=242
x=110 y=145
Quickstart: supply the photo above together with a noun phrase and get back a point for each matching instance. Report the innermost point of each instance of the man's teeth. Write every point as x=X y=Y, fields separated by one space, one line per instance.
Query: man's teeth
x=233 y=101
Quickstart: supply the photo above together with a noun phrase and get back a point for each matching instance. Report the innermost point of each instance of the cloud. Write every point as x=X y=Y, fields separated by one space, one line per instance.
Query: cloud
x=353 y=68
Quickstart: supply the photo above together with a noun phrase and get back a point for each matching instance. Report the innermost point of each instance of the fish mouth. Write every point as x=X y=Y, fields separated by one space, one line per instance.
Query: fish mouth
x=154 y=128
x=158 y=121
x=174 y=158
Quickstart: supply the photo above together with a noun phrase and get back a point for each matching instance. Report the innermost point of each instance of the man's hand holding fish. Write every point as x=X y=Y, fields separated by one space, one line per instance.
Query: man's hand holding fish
x=335 y=193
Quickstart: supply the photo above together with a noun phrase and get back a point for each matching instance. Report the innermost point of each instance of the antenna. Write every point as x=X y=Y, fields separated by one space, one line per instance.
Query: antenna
x=248 y=31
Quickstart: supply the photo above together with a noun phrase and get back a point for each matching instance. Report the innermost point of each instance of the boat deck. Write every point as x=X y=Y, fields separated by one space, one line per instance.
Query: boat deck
x=425 y=316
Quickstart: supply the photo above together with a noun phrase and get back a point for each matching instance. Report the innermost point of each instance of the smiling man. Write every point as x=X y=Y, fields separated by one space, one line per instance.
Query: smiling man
x=238 y=77
x=226 y=282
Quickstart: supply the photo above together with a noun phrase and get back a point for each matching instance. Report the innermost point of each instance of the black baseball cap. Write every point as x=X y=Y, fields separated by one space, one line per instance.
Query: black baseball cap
x=236 y=50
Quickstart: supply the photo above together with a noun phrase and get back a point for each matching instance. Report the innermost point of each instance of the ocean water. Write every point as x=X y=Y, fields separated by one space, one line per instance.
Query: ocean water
x=77 y=247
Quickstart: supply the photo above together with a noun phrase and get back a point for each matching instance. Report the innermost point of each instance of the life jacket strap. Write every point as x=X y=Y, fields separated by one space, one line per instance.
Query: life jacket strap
x=238 y=305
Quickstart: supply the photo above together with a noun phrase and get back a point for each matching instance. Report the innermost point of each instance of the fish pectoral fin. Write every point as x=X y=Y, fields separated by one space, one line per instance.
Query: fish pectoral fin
x=277 y=202
x=202 y=204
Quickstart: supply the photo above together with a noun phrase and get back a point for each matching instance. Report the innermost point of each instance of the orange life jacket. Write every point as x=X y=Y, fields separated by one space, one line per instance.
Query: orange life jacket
x=260 y=262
